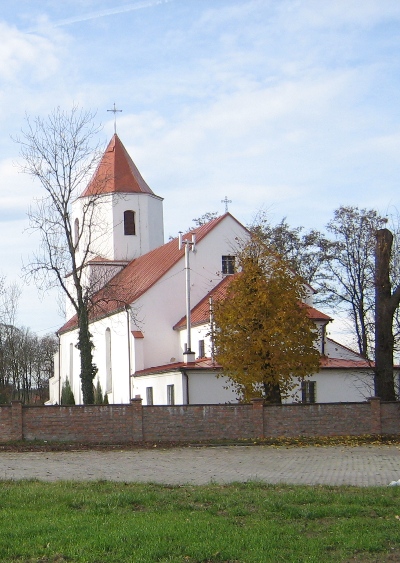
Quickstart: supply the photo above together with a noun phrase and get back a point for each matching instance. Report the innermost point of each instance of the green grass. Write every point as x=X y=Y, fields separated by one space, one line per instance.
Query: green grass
x=250 y=522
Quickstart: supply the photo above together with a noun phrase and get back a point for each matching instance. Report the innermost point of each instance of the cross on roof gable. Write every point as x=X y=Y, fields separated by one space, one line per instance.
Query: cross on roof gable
x=116 y=173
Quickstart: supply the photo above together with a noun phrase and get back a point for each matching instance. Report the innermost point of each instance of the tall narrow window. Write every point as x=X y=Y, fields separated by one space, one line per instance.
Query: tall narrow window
x=228 y=264
x=71 y=364
x=170 y=395
x=201 y=349
x=129 y=223
x=76 y=234
x=149 y=395
x=108 y=361
x=308 y=389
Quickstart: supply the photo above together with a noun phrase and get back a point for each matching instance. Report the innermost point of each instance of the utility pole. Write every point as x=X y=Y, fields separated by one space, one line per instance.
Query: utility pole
x=190 y=246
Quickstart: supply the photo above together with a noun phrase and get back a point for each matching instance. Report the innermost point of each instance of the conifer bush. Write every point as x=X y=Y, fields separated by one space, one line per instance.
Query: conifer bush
x=67 y=395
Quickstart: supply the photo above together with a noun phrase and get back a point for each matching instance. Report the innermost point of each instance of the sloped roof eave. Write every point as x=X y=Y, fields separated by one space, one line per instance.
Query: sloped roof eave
x=64 y=329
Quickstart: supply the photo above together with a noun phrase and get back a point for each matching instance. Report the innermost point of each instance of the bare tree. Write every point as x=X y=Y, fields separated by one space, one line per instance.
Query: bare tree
x=61 y=152
x=305 y=251
x=26 y=364
x=349 y=272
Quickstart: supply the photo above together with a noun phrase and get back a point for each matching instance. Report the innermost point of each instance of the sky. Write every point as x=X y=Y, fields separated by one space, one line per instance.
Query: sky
x=285 y=106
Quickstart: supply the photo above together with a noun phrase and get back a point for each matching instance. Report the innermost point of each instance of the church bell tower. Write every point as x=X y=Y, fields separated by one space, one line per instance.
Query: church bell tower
x=127 y=220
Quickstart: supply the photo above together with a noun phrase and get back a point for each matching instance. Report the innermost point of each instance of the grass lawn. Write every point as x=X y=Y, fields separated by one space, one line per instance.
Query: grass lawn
x=250 y=522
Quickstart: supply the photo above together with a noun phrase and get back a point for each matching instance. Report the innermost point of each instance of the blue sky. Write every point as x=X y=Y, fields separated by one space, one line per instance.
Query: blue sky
x=290 y=106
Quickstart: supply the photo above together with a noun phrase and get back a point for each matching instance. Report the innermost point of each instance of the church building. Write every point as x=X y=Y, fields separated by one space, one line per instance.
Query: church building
x=143 y=343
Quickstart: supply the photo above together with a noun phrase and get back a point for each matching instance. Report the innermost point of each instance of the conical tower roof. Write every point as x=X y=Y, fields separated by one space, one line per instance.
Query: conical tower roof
x=116 y=173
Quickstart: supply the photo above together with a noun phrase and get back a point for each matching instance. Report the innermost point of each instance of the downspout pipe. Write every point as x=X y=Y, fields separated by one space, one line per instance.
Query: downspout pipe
x=128 y=330
x=186 y=378
x=59 y=368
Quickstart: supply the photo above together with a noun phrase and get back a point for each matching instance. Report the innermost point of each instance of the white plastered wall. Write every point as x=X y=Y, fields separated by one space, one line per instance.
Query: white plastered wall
x=159 y=383
x=205 y=388
x=148 y=211
x=107 y=227
x=122 y=356
x=339 y=386
x=197 y=333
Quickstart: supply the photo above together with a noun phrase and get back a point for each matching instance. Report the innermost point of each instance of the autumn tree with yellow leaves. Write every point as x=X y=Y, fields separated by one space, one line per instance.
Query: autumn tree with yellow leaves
x=264 y=339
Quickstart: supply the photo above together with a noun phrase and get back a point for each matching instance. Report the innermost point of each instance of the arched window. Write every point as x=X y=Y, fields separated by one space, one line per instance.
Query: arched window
x=129 y=223
x=71 y=365
x=108 y=361
x=76 y=234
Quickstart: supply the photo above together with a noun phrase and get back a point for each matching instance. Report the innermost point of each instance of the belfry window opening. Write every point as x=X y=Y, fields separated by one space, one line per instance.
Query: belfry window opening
x=129 y=223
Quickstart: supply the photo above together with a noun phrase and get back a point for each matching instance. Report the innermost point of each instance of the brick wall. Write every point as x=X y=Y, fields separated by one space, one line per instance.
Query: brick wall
x=198 y=422
x=390 y=418
x=327 y=419
x=91 y=424
x=5 y=424
x=135 y=423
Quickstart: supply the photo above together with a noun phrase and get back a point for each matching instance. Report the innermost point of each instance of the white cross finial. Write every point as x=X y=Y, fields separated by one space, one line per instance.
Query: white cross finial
x=226 y=201
x=115 y=111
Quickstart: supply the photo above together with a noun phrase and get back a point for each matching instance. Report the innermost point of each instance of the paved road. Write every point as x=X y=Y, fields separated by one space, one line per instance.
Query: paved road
x=339 y=465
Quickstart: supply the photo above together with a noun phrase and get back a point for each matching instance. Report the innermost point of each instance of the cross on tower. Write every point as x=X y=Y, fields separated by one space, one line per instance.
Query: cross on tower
x=226 y=201
x=115 y=110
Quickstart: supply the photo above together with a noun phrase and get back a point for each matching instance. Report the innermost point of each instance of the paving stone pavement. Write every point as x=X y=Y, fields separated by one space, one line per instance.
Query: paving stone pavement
x=333 y=465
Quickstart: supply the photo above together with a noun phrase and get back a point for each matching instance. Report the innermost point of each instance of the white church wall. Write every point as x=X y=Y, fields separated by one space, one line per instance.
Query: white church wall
x=198 y=334
x=159 y=384
x=138 y=354
x=54 y=382
x=100 y=227
x=108 y=239
x=70 y=363
x=335 y=350
x=118 y=391
x=148 y=224
x=339 y=386
x=205 y=388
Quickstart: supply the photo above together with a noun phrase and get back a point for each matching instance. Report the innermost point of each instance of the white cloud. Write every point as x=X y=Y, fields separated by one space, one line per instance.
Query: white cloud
x=330 y=15
x=25 y=56
x=16 y=192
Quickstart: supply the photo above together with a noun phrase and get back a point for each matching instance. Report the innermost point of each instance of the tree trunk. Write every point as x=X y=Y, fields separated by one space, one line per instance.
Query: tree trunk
x=88 y=369
x=272 y=393
x=385 y=306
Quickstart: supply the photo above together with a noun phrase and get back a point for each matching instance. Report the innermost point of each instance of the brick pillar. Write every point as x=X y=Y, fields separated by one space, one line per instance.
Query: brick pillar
x=16 y=420
x=376 y=424
x=137 y=419
x=258 y=417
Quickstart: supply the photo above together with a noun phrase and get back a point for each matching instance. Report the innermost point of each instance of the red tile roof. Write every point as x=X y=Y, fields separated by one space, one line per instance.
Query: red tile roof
x=315 y=314
x=340 y=363
x=200 y=314
x=140 y=275
x=137 y=334
x=116 y=173
x=208 y=364
x=201 y=364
